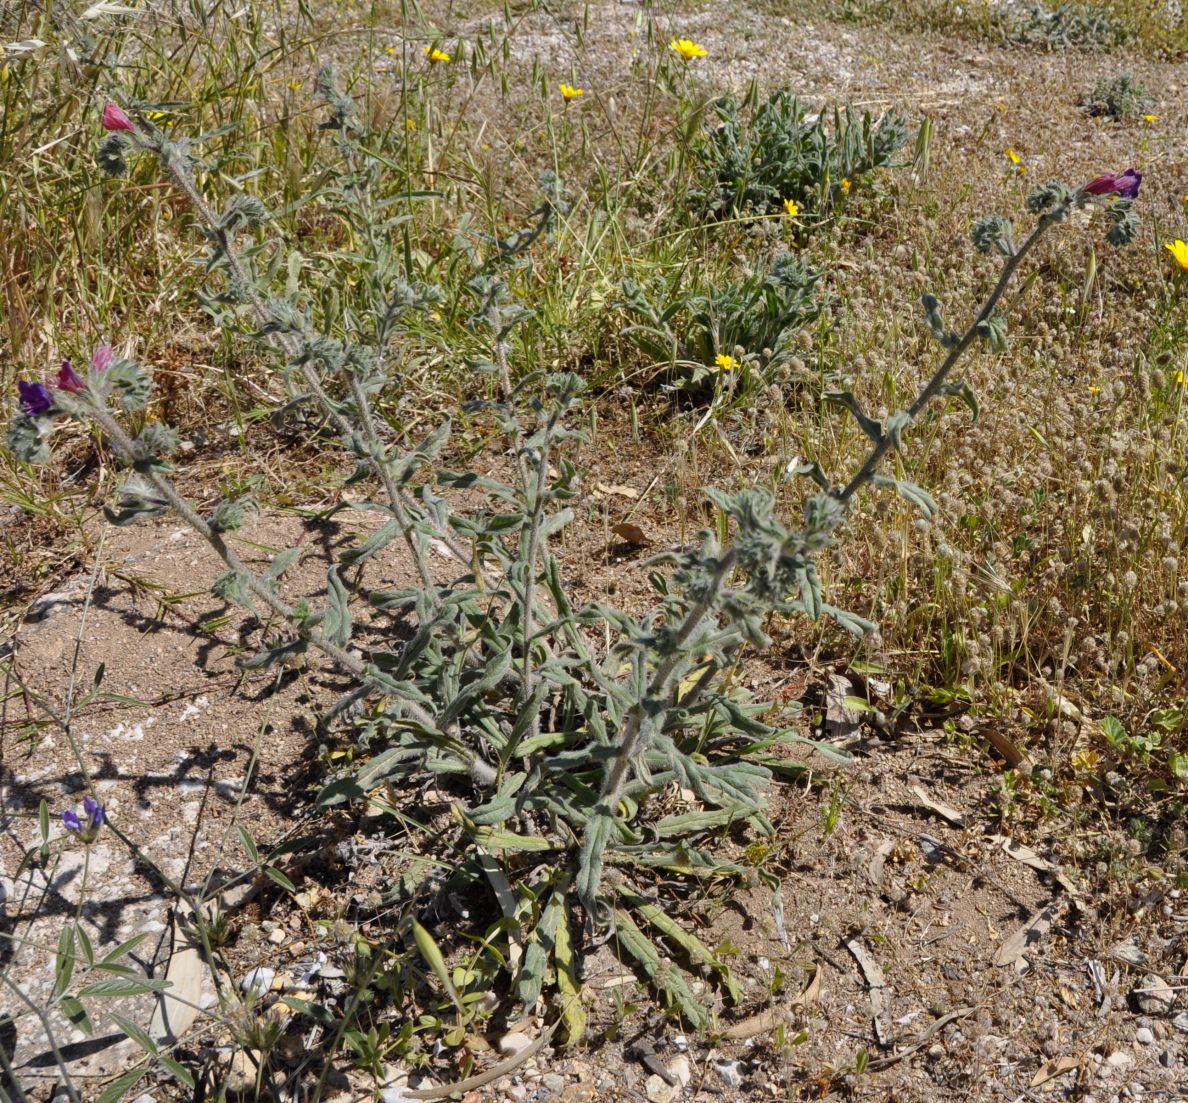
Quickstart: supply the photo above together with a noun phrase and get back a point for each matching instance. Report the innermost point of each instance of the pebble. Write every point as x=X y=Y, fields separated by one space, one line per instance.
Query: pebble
x=936 y=1052
x=277 y=936
x=513 y=1043
x=554 y=1082
x=1144 y=1036
x=241 y=1075
x=680 y=1070
x=145 y=1097
x=1180 y=1022
x=258 y=980
x=1153 y=995
x=659 y=1090
x=579 y=1093
x=1167 y=1059
x=1120 y=1059
x=731 y=1073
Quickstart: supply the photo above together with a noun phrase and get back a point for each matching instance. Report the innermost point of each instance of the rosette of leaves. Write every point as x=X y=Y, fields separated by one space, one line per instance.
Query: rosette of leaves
x=751 y=162
x=761 y=313
x=1117 y=98
x=1082 y=26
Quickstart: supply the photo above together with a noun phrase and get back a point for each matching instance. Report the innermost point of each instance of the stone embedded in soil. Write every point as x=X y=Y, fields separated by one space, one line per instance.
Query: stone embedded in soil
x=1144 y=1036
x=513 y=1043
x=658 y=1090
x=1153 y=995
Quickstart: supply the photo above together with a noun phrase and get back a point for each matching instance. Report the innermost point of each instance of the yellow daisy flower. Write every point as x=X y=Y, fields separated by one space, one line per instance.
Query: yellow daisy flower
x=1179 y=250
x=726 y=363
x=687 y=48
x=1150 y=119
x=435 y=55
x=791 y=207
x=845 y=186
x=570 y=93
x=1016 y=160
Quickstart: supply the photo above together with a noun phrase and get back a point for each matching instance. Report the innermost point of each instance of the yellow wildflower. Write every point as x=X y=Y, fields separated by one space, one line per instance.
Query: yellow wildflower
x=726 y=363
x=1179 y=250
x=410 y=125
x=1016 y=160
x=570 y=93
x=791 y=207
x=390 y=50
x=435 y=55
x=295 y=84
x=845 y=186
x=1148 y=119
x=687 y=48
x=1181 y=377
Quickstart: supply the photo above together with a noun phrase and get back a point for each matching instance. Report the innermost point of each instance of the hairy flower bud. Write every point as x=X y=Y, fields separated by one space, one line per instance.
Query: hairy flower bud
x=1125 y=223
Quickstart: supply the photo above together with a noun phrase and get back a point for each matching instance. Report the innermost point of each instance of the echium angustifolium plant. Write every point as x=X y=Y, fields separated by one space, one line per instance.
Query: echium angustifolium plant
x=553 y=745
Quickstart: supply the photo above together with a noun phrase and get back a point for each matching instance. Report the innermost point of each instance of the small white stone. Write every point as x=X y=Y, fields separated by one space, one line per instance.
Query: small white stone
x=731 y=1073
x=680 y=1070
x=276 y=937
x=258 y=980
x=514 y=1042
x=1120 y=1059
x=659 y=1090
x=1144 y=1035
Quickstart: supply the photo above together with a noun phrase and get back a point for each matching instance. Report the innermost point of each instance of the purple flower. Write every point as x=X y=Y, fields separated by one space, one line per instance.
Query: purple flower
x=35 y=398
x=1125 y=185
x=116 y=118
x=103 y=357
x=68 y=379
x=86 y=829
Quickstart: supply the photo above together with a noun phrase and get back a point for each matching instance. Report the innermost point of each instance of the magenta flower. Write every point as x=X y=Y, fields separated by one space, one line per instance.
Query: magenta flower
x=1124 y=185
x=35 y=398
x=103 y=357
x=115 y=118
x=68 y=379
x=86 y=829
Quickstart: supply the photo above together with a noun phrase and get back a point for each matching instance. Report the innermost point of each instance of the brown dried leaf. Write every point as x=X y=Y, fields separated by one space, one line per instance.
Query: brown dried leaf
x=630 y=533
x=1058 y=1066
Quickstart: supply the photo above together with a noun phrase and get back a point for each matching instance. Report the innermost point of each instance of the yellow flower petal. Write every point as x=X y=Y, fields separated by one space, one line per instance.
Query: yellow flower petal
x=687 y=48
x=792 y=207
x=570 y=93
x=726 y=363
x=435 y=55
x=1179 y=250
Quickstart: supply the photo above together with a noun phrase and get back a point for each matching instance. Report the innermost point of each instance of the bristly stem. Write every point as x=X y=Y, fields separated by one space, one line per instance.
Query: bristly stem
x=932 y=388
x=482 y=773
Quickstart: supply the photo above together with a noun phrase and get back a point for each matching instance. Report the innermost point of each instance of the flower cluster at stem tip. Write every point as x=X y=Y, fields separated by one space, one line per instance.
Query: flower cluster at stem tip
x=568 y=92
x=86 y=829
x=37 y=399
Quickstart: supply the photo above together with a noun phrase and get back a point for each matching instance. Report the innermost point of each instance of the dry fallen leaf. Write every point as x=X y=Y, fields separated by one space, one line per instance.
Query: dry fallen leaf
x=767 y=1021
x=621 y=491
x=1058 y=1066
x=943 y=810
x=630 y=533
x=1014 y=949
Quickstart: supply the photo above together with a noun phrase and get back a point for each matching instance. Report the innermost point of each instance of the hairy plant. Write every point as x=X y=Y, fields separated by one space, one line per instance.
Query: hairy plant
x=759 y=314
x=554 y=729
x=1083 y=26
x=1117 y=97
x=753 y=161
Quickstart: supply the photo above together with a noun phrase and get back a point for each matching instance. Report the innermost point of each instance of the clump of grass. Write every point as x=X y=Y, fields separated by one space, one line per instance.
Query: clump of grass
x=1117 y=98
